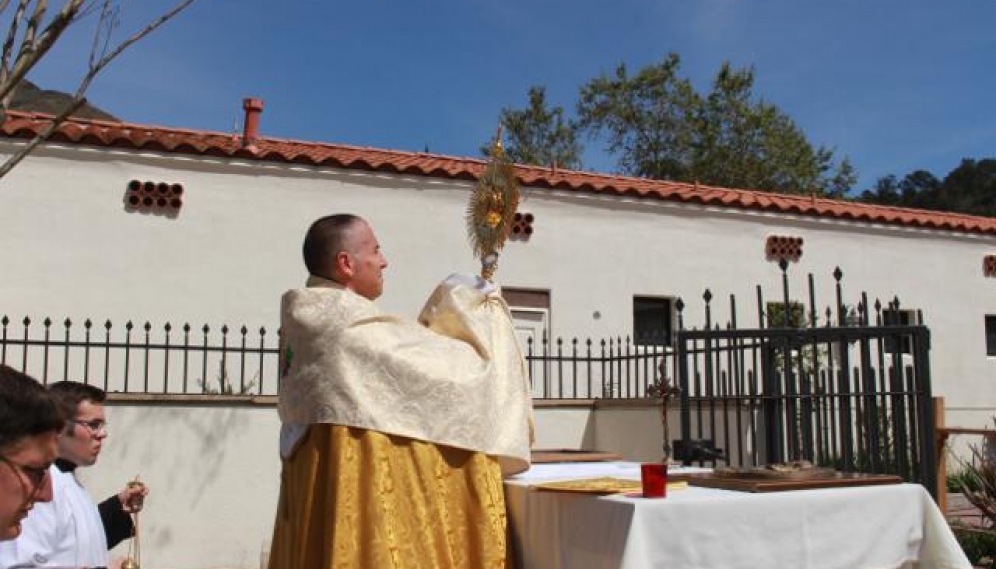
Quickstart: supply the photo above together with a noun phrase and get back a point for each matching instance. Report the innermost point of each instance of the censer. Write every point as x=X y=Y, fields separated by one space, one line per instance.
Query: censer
x=134 y=558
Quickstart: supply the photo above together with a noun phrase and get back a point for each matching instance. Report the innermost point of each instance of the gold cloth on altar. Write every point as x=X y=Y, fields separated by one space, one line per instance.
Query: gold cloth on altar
x=455 y=378
x=354 y=498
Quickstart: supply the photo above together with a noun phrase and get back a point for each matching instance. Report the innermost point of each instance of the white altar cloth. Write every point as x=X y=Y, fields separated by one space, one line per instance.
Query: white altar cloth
x=867 y=527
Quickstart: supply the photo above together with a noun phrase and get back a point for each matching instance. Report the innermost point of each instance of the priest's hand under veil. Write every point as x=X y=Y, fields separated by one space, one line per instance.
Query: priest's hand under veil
x=486 y=287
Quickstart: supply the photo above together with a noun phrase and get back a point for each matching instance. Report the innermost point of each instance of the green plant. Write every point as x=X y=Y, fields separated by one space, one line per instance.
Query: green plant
x=881 y=457
x=225 y=385
x=976 y=479
x=978 y=483
x=978 y=544
x=959 y=479
x=776 y=315
x=804 y=359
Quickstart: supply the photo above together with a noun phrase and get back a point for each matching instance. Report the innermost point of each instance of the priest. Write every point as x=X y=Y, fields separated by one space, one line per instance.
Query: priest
x=396 y=433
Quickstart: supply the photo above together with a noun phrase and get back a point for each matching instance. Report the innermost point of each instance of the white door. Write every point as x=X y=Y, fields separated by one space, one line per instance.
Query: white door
x=532 y=325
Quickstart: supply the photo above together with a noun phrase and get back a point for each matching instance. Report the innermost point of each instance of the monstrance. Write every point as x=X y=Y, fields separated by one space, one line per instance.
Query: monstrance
x=492 y=206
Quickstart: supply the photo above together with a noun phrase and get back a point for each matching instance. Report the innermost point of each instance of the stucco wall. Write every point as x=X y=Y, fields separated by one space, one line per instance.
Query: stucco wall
x=214 y=473
x=565 y=427
x=72 y=250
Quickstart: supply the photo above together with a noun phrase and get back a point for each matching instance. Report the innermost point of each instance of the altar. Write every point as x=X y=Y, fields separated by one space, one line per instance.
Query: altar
x=866 y=527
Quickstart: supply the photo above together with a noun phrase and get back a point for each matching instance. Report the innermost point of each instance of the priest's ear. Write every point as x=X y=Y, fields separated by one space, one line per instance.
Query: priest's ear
x=343 y=267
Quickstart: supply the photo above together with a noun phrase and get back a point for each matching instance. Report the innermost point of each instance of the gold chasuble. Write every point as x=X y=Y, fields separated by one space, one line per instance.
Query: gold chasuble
x=404 y=431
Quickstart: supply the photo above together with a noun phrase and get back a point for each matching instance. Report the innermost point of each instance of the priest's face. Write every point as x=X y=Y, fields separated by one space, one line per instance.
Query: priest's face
x=84 y=436
x=24 y=480
x=365 y=263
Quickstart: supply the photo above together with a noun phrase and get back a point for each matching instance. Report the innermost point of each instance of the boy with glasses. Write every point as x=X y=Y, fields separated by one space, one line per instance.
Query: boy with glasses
x=29 y=422
x=72 y=531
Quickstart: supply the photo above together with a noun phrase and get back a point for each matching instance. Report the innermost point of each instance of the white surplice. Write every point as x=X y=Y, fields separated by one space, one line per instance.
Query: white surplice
x=66 y=532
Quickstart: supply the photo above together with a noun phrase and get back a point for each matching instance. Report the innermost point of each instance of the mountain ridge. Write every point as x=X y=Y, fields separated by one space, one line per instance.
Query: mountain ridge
x=28 y=97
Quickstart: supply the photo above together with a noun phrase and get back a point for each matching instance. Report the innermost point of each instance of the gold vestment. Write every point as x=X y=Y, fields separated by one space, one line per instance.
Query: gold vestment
x=412 y=426
x=353 y=498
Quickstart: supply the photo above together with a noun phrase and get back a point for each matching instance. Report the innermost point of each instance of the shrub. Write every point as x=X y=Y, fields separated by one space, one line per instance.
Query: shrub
x=960 y=479
x=979 y=544
x=977 y=481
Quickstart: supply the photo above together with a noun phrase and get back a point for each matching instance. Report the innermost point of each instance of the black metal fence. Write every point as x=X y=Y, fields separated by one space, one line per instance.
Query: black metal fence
x=853 y=393
x=144 y=359
x=848 y=385
x=225 y=360
x=228 y=360
x=616 y=368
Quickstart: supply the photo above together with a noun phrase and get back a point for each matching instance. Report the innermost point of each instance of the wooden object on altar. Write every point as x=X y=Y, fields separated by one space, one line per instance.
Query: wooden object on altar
x=747 y=483
x=547 y=456
x=800 y=470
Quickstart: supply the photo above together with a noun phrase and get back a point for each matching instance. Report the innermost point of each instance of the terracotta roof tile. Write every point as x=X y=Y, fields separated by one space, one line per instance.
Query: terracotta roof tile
x=218 y=144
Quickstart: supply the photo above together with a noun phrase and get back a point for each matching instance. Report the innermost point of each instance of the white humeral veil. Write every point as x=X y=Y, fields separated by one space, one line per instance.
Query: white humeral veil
x=456 y=377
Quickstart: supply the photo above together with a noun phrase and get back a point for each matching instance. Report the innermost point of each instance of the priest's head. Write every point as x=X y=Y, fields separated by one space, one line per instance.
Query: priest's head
x=29 y=422
x=344 y=249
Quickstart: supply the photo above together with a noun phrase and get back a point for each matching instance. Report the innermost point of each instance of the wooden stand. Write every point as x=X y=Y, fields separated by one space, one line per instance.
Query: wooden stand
x=838 y=480
x=941 y=440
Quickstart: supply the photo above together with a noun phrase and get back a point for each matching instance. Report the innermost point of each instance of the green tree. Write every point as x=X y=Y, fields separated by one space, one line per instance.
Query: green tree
x=649 y=118
x=745 y=143
x=843 y=178
x=660 y=127
x=969 y=188
x=918 y=189
x=885 y=192
x=918 y=183
x=540 y=135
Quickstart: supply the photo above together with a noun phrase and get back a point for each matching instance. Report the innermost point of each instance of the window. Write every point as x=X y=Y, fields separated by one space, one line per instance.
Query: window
x=991 y=335
x=526 y=297
x=899 y=318
x=653 y=321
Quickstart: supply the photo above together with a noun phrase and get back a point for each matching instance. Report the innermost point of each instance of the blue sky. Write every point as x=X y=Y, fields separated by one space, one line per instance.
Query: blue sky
x=895 y=85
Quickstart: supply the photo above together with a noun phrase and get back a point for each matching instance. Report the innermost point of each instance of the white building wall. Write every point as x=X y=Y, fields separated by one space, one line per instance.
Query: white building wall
x=213 y=474
x=213 y=471
x=71 y=249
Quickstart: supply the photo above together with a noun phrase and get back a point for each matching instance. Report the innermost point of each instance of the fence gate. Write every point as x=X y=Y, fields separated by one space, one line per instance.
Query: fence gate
x=853 y=393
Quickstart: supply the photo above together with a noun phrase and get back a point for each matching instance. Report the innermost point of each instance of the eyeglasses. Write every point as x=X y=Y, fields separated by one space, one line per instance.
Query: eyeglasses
x=35 y=475
x=95 y=426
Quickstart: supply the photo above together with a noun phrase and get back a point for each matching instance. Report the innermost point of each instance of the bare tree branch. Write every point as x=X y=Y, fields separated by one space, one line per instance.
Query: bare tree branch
x=167 y=16
x=23 y=152
x=27 y=59
x=31 y=31
x=105 y=26
x=102 y=33
x=8 y=43
x=88 y=7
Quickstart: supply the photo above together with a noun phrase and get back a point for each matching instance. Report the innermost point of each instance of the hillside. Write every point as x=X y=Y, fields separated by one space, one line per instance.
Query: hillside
x=32 y=99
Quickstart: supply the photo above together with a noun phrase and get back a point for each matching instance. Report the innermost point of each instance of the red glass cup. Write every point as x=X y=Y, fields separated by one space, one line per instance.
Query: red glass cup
x=654 y=479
